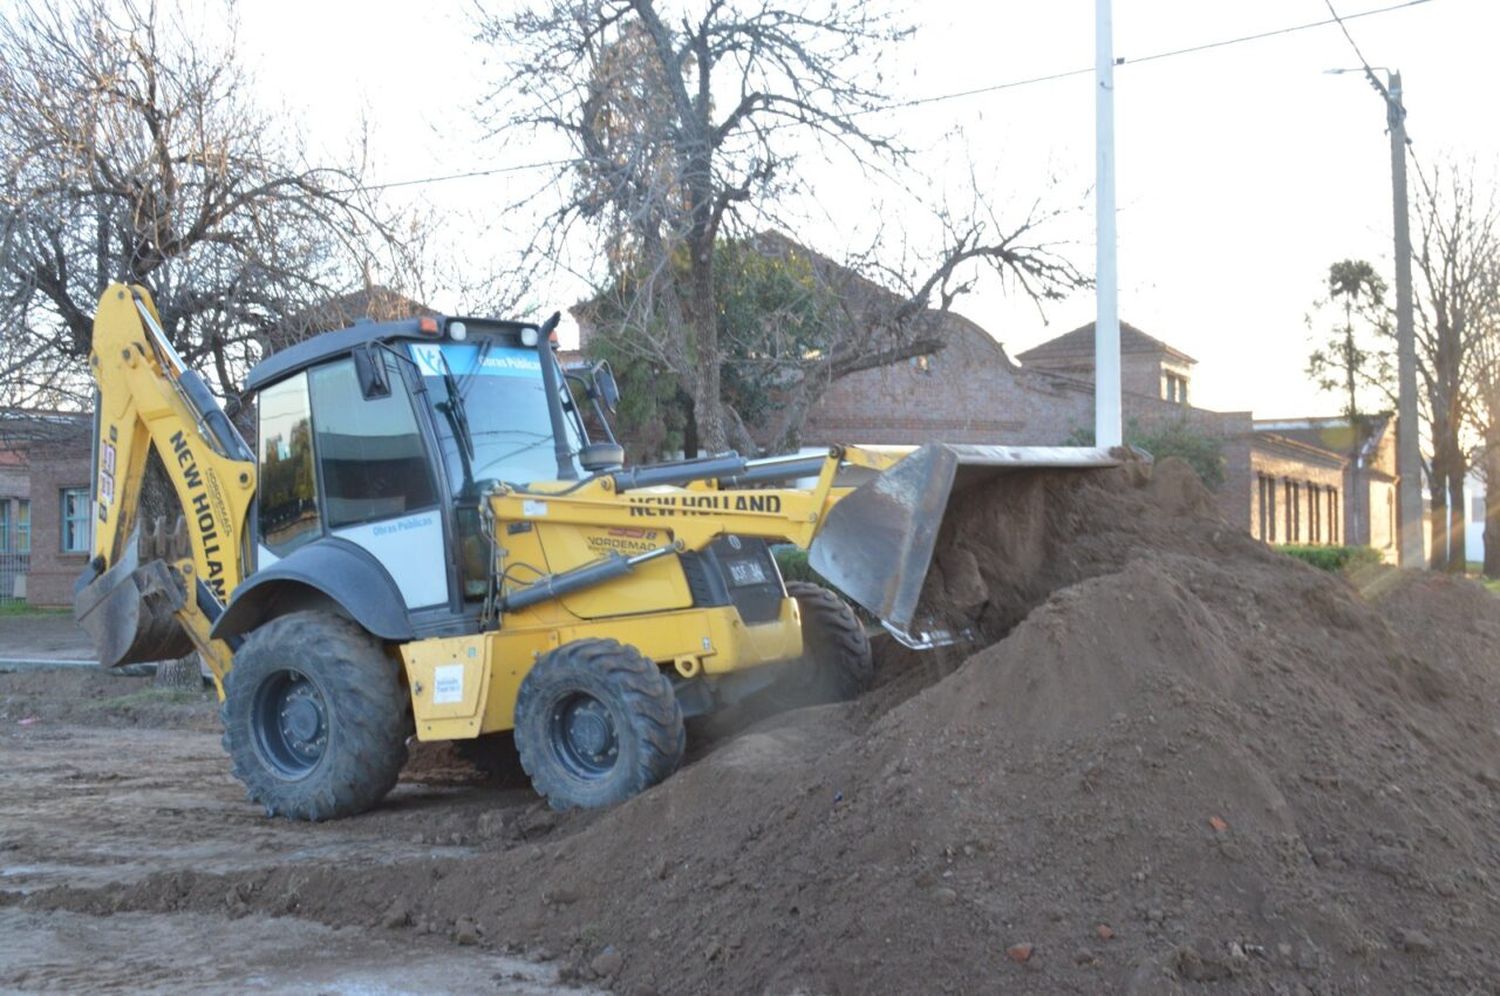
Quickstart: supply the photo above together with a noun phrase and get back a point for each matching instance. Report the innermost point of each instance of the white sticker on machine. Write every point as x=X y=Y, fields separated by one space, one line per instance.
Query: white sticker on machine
x=447 y=684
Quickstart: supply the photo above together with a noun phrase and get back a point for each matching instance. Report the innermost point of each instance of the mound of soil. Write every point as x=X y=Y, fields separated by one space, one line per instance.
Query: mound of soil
x=100 y=697
x=1173 y=757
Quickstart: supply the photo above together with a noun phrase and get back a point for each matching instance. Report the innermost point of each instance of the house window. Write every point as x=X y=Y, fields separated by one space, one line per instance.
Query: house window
x=1176 y=388
x=1267 y=508
x=1314 y=521
x=23 y=525
x=5 y=544
x=1266 y=512
x=76 y=520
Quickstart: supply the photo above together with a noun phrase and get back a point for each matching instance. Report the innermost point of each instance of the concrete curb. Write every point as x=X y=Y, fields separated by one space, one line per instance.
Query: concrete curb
x=10 y=665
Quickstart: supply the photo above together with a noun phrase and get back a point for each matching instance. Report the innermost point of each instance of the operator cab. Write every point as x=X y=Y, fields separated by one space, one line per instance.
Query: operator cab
x=385 y=436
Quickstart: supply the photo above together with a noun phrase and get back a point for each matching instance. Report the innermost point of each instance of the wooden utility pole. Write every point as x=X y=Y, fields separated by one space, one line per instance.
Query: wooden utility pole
x=1408 y=454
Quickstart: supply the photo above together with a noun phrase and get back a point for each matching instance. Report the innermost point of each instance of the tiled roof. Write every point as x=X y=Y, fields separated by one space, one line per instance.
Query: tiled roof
x=1080 y=342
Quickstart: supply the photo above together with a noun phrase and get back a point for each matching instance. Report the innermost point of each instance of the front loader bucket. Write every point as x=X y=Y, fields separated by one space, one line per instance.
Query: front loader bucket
x=128 y=612
x=877 y=542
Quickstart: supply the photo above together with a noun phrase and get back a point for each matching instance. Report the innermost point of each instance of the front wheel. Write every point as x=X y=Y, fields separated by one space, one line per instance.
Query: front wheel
x=837 y=664
x=315 y=717
x=597 y=723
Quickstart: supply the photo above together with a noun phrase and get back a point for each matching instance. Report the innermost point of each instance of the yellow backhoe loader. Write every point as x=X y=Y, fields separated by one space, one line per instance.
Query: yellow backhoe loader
x=426 y=538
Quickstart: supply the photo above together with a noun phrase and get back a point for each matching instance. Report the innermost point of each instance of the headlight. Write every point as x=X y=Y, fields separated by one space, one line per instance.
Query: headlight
x=458 y=331
x=528 y=337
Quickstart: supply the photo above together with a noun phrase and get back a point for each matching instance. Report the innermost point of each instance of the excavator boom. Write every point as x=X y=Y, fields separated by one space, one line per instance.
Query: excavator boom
x=141 y=607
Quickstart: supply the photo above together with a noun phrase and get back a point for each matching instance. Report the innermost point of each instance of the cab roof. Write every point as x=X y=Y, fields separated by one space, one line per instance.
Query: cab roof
x=330 y=345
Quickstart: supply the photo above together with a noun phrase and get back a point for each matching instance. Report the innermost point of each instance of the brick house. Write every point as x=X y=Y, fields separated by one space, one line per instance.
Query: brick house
x=971 y=391
x=1313 y=486
x=46 y=518
x=1286 y=481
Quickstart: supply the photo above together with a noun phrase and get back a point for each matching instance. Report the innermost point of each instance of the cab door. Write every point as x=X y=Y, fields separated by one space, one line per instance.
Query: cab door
x=337 y=464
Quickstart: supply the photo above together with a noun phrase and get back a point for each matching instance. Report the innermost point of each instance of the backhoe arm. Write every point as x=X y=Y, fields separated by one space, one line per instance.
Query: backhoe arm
x=143 y=601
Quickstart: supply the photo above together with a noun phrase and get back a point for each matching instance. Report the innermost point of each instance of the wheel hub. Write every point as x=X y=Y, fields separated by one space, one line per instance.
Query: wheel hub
x=291 y=723
x=585 y=734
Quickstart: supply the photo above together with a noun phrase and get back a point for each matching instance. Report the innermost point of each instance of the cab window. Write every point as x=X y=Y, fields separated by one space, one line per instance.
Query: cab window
x=369 y=450
x=287 y=492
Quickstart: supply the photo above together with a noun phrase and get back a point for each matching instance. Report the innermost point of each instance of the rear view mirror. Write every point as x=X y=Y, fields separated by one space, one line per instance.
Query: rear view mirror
x=605 y=388
x=371 y=373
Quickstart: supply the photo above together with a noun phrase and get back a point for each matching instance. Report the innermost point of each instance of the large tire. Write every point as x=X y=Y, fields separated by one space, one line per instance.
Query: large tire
x=597 y=723
x=836 y=663
x=315 y=717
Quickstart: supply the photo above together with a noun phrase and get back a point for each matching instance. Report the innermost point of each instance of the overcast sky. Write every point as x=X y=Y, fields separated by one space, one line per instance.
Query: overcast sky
x=1243 y=171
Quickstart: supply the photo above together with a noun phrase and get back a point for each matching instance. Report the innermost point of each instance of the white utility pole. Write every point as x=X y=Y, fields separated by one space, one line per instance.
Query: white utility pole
x=1108 y=425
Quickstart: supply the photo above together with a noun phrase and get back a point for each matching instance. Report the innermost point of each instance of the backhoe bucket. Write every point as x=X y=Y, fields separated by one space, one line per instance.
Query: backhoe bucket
x=128 y=613
x=877 y=542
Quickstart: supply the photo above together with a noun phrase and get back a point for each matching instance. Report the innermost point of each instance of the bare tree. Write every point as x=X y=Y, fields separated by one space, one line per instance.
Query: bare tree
x=682 y=125
x=1456 y=255
x=130 y=150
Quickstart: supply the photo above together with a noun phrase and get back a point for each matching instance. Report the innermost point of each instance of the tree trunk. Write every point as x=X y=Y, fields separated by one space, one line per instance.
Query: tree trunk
x=1458 y=514
x=1438 y=490
x=703 y=320
x=184 y=673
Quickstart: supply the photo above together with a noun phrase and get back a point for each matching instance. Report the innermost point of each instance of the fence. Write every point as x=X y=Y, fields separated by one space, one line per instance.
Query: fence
x=13 y=568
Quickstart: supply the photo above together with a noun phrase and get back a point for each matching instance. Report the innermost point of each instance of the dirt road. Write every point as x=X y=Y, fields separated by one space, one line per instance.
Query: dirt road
x=85 y=806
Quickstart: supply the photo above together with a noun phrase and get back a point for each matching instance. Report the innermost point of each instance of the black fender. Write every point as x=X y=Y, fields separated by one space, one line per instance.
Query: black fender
x=326 y=570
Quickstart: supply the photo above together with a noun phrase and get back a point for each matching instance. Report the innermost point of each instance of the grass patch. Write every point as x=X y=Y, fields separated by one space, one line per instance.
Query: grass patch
x=1333 y=558
x=12 y=608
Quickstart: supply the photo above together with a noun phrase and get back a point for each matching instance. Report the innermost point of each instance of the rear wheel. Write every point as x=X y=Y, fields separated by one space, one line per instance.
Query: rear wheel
x=315 y=717
x=597 y=723
x=836 y=664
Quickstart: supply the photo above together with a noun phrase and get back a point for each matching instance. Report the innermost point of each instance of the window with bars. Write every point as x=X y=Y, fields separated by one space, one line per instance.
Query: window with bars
x=23 y=525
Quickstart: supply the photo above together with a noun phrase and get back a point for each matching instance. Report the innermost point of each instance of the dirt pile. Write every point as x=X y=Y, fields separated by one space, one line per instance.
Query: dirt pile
x=1182 y=758
x=98 y=697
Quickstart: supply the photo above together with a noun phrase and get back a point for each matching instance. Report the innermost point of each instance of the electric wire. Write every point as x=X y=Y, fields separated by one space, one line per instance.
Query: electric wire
x=960 y=94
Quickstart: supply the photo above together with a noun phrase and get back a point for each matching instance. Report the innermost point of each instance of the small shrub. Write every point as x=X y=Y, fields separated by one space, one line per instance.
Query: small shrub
x=1334 y=558
x=794 y=566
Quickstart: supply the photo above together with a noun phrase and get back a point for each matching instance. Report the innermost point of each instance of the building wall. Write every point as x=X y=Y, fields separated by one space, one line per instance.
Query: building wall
x=50 y=581
x=968 y=392
x=1295 y=484
x=1474 y=533
x=1383 y=532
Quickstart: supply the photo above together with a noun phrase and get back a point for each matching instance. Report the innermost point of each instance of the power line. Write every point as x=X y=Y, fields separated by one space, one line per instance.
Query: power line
x=1204 y=47
x=977 y=91
x=1391 y=100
